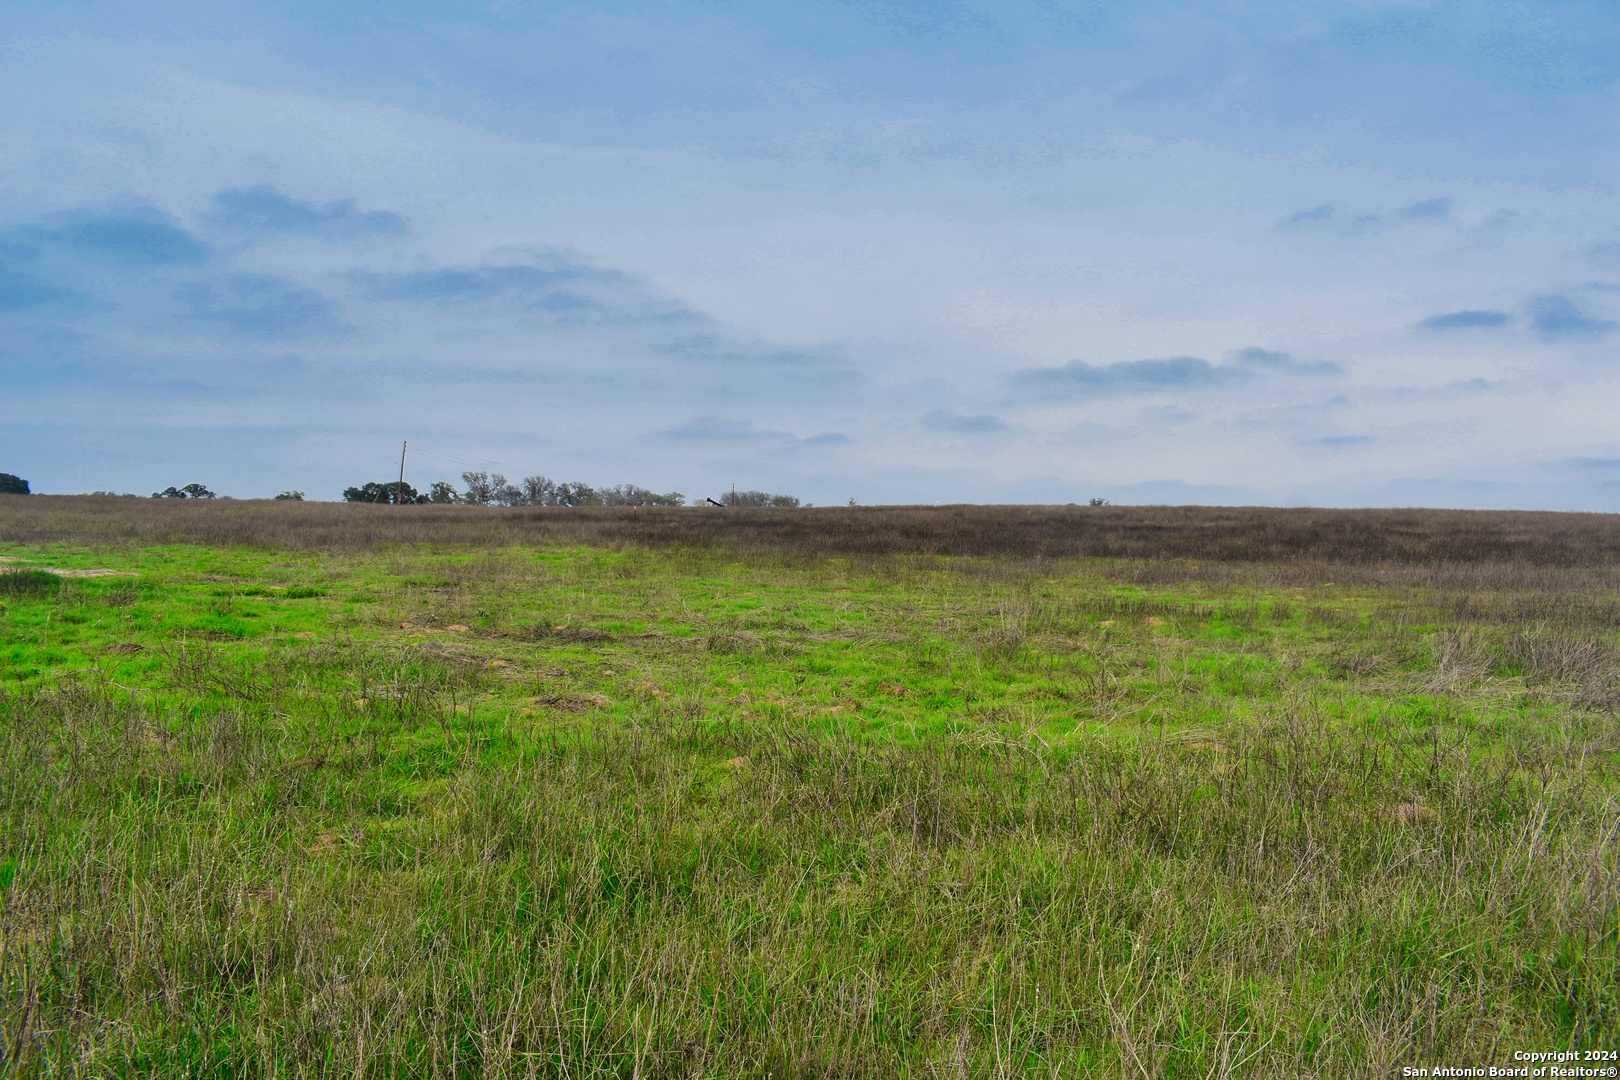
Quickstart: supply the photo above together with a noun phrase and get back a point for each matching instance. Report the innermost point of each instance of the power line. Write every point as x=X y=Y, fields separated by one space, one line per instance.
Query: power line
x=458 y=459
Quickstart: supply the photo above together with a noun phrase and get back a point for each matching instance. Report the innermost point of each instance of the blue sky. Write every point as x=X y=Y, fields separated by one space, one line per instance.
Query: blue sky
x=1341 y=253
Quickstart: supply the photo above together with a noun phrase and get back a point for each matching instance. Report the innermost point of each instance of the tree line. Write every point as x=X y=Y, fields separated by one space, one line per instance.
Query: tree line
x=482 y=489
x=494 y=489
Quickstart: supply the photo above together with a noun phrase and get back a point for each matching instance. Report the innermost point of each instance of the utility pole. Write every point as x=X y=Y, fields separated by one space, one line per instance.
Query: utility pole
x=399 y=492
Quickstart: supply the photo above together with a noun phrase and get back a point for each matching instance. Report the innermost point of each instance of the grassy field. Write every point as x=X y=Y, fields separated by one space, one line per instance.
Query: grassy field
x=286 y=792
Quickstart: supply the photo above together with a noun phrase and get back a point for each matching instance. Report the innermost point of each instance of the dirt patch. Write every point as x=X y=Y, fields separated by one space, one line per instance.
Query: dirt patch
x=569 y=633
x=572 y=702
x=124 y=648
x=1208 y=746
x=86 y=573
x=1412 y=813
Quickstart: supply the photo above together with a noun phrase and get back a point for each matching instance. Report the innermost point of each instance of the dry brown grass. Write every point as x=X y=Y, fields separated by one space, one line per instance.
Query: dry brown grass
x=1445 y=541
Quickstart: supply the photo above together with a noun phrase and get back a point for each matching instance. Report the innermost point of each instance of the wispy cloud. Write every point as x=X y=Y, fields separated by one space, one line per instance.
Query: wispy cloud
x=1128 y=376
x=141 y=236
x=1426 y=210
x=18 y=291
x=721 y=429
x=557 y=289
x=965 y=424
x=716 y=349
x=1167 y=373
x=1557 y=317
x=1322 y=212
x=1338 y=220
x=264 y=208
x=1338 y=442
x=260 y=305
x=1281 y=363
x=1466 y=320
x=460 y=284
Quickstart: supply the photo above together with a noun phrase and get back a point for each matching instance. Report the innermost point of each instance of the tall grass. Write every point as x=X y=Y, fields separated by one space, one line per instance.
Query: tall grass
x=212 y=894
x=423 y=803
x=28 y=583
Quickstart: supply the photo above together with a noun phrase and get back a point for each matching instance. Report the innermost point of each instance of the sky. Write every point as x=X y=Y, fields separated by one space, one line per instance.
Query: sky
x=1339 y=253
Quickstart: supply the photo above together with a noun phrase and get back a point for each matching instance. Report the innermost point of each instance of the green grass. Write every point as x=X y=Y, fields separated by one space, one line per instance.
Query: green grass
x=677 y=813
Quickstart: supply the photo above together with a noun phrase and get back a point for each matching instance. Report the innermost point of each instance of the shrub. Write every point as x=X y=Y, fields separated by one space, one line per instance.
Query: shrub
x=12 y=485
x=19 y=583
x=290 y=496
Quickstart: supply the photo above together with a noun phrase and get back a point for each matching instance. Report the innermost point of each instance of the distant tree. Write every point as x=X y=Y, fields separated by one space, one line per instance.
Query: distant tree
x=480 y=487
x=12 y=485
x=1098 y=502
x=392 y=493
x=539 y=491
x=290 y=496
x=443 y=492
x=505 y=494
x=190 y=491
x=635 y=495
x=757 y=498
x=577 y=494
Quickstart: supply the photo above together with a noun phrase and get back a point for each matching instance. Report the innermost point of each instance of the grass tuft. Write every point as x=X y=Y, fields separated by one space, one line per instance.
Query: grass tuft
x=28 y=583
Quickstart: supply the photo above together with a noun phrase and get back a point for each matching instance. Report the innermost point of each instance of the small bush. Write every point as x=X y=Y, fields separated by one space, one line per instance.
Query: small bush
x=28 y=583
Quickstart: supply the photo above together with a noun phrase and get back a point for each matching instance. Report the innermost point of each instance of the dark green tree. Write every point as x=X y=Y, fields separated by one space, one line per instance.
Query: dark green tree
x=12 y=485
x=393 y=493
x=190 y=491
x=577 y=493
